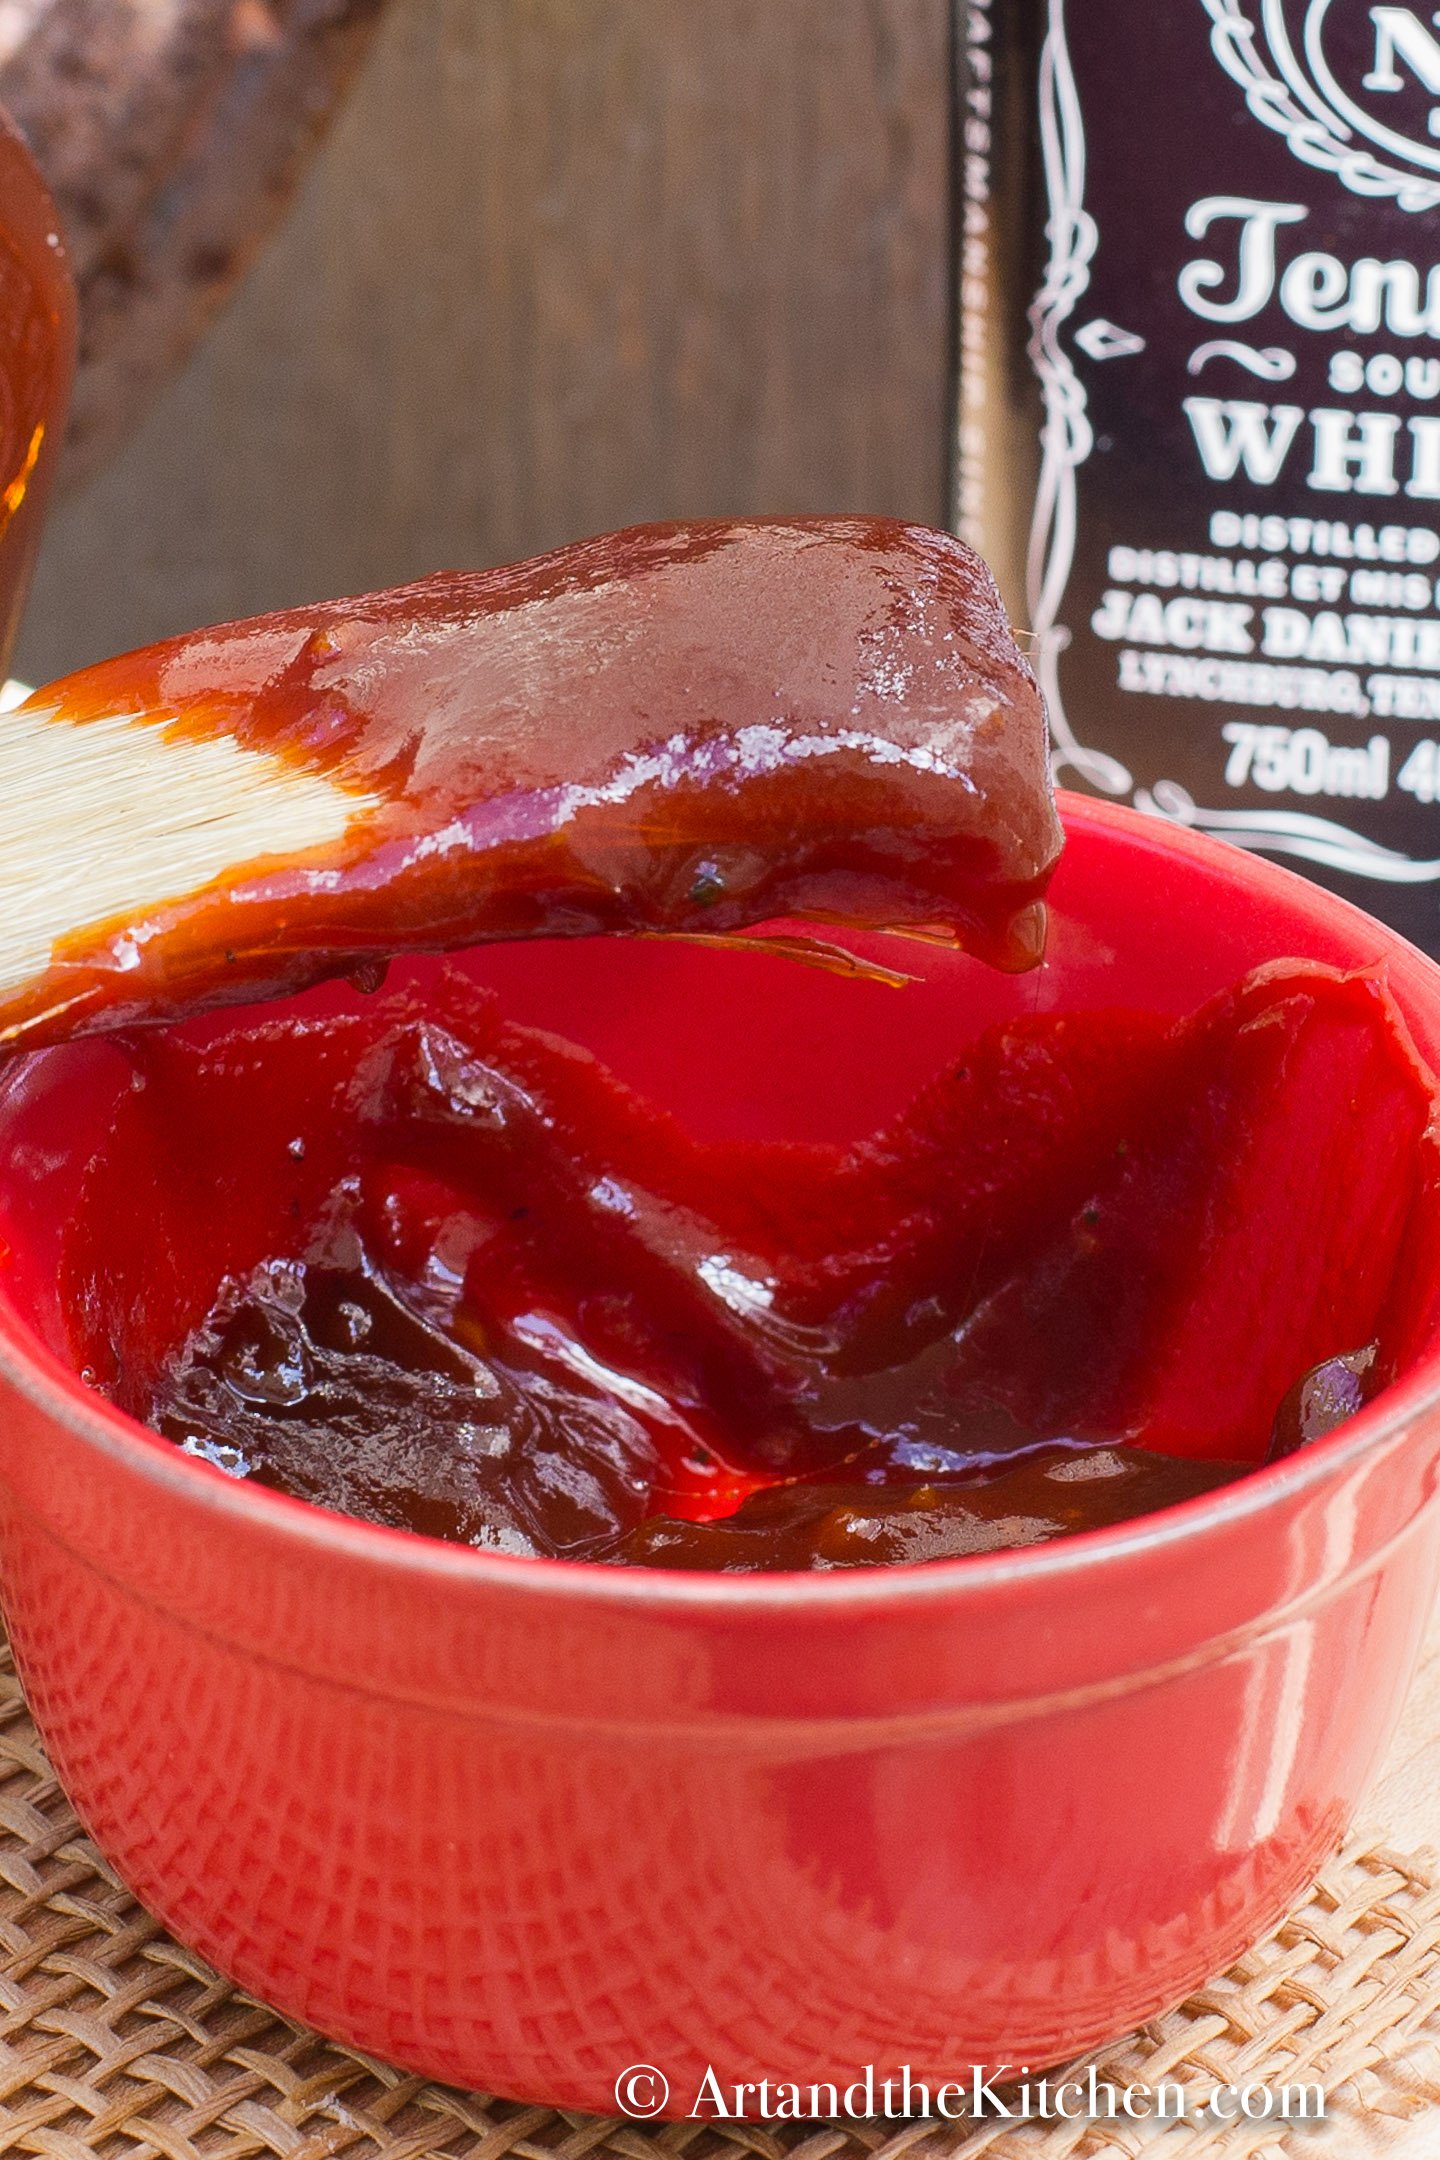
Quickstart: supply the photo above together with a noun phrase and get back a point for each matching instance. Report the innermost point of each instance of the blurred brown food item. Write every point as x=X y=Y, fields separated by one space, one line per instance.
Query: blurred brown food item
x=37 y=351
x=562 y=265
x=171 y=138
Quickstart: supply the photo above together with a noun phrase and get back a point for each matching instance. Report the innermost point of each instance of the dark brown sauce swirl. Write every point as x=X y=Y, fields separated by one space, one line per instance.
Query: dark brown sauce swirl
x=528 y=1314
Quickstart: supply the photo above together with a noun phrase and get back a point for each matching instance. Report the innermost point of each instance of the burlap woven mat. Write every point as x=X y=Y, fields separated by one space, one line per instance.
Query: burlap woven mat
x=116 y=2042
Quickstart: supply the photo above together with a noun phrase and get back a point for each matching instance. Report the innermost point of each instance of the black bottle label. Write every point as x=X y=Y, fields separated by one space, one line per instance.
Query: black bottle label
x=1233 y=571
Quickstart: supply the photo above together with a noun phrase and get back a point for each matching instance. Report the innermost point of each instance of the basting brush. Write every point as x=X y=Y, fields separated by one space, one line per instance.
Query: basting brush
x=687 y=730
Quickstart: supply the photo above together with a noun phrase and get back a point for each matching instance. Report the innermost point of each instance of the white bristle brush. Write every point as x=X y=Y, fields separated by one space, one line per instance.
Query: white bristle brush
x=183 y=812
x=681 y=729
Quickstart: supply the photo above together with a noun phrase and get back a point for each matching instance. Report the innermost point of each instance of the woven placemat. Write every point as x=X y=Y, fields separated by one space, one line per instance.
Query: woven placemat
x=116 y=2042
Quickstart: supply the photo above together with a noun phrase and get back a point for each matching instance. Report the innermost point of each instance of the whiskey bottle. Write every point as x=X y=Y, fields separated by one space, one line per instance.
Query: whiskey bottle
x=1198 y=430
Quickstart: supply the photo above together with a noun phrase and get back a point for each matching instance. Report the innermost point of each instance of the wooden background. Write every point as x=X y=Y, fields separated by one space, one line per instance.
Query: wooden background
x=562 y=264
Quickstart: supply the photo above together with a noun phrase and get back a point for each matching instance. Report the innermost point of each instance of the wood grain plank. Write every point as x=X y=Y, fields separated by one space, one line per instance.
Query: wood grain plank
x=563 y=264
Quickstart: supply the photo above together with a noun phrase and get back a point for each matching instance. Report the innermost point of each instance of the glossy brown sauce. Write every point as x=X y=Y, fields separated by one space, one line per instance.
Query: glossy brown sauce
x=529 y=1316
x=322 y=1382
x=1324 y=1400
x=1047 y=1494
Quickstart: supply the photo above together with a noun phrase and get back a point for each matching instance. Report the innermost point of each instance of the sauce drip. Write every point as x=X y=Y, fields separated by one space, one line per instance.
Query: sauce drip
x=476 y=1287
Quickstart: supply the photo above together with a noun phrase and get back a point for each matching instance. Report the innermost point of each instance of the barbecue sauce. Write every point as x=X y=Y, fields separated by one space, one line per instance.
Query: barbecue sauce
x=493 y=1295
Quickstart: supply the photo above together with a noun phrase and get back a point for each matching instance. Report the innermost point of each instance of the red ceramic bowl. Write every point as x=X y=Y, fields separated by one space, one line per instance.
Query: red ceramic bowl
x=521 y=1824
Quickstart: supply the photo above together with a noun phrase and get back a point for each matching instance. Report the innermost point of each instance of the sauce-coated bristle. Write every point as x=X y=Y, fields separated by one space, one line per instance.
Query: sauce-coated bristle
x=113 y=817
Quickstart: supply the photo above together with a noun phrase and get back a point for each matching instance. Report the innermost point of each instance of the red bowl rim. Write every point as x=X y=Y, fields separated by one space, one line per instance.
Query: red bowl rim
x=34 y=1371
